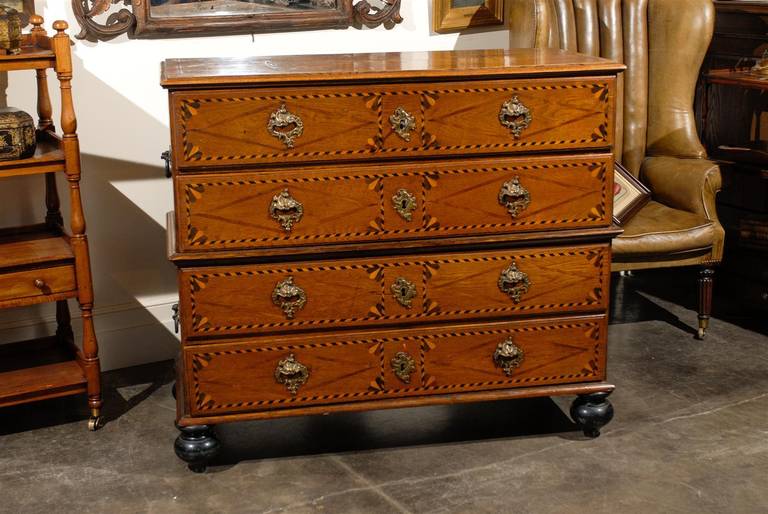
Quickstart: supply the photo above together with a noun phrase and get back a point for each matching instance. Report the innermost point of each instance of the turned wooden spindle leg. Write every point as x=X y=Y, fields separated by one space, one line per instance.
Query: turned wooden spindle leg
x=706 y=280
x=44 y=109
x=53 y=206
x=64 y=323
x=89 y=357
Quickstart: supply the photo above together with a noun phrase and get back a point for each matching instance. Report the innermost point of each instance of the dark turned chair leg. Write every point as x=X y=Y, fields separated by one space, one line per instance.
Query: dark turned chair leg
x=706 y=277
x=196 y=445
x=592 y=412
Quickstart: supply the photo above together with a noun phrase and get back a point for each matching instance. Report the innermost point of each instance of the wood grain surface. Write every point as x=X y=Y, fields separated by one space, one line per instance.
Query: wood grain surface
x=228 y=300
x=351 y=123
x=348 y=367
x=231 y=211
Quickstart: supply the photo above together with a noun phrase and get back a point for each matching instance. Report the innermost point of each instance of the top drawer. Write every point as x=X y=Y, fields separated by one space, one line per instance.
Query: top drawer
x=349 y=123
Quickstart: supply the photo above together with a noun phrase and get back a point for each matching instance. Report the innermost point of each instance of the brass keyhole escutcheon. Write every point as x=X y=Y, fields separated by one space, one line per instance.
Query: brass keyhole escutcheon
x=508 y=356
x=514 y=282
x=291 y=373
x=404 y=292
x=404 y=204
x=515 y=116
x=514 y=197
x=289 y=297
x=403 y=123
x=285 y=126
x=402 y=366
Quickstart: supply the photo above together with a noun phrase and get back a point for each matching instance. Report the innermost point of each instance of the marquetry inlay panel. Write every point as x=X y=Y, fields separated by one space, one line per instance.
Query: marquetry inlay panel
x=232 y=211
x=346 y=123
x=237 y=299
x=447 y=360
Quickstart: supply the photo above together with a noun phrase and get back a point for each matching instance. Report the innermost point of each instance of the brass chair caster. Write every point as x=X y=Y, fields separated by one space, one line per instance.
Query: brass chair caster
x=95 y=423
x=701 y=333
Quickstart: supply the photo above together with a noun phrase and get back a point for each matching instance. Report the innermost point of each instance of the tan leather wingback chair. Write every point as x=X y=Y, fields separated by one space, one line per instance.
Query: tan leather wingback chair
x=662 y=43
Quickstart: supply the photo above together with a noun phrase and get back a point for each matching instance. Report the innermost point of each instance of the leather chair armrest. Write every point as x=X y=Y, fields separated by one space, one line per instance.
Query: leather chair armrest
x=687 y=184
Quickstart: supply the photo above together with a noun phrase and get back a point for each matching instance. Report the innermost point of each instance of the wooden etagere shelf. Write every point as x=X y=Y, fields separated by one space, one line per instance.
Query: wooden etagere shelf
x=42 y=263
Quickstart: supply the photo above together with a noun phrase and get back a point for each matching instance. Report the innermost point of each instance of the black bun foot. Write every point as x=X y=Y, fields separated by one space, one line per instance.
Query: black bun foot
x=592 y=412
x=196 y=445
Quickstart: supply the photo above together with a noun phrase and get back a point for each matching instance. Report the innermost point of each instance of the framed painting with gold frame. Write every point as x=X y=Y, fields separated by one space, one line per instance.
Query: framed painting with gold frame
x=629 y=194
x=457 y=15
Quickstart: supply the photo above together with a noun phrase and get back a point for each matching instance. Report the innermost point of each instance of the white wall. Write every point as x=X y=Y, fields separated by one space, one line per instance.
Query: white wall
x=123 y=128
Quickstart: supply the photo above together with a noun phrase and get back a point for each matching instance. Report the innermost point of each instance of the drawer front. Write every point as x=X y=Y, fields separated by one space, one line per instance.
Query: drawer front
x=37 y=282
x=399 y=201
x=283 y=372
x=228 y=300
x=257 y=126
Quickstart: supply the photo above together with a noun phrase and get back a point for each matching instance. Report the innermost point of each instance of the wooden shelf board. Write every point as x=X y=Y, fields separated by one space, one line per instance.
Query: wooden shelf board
x=34 y=300
x=32 y=57
x=32 y=246
x=49 y=157
x=743 y=78
x=38 y=369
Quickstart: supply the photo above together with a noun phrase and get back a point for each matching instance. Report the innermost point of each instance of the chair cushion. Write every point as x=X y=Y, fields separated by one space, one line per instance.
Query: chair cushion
x=658 y=229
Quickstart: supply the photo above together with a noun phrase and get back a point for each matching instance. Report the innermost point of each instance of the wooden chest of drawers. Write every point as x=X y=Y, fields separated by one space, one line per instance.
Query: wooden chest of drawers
x=384 y=230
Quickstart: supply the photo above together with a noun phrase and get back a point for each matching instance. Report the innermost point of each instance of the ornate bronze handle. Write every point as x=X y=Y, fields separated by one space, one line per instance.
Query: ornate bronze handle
x=289 y=297
x=282 y=119
x=508 y=356
x=286 y=209
x=515 y=116
x=404 y=291
x=404 y=203
x=514 y=197
x=403 y=123
x=402 y=366
x=514 y=282
x=291 y=373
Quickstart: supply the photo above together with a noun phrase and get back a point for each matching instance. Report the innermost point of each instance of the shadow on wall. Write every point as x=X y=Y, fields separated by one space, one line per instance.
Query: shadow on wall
x=134 y=283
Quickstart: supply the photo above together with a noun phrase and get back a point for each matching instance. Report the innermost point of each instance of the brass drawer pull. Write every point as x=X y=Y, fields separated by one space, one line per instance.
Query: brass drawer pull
x=514 y=197
x=289 y=297
x=515 y=116
x=404 y=203
x=286 y=209
x=514 y=282
x=40 y=284
x=403 y=123
x=291 y=373
x=404 y=291
x=282 y=119
x=508 y=356
x=402 y=366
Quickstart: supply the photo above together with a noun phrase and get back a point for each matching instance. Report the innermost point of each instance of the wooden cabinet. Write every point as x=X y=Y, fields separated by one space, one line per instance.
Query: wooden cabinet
x=42 y=263
x=733 y=118
x=428 y=228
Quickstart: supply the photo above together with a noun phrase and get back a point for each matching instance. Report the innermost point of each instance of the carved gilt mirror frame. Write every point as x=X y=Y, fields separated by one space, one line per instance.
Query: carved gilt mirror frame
x=102 y=20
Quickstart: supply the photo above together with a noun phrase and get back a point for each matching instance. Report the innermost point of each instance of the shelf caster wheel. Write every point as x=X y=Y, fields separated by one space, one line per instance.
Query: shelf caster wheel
x=196 y=445
x=592 y=412
x=95 y=423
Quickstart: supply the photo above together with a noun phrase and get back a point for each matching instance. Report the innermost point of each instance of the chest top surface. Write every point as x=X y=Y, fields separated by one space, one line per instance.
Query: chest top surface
x=394 y=66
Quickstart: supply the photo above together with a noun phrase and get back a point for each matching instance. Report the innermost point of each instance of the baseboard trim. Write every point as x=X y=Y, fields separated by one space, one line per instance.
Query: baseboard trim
x=128 y=334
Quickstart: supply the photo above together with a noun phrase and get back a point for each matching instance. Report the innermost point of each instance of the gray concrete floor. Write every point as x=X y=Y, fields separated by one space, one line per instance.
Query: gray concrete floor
x=690 y=435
